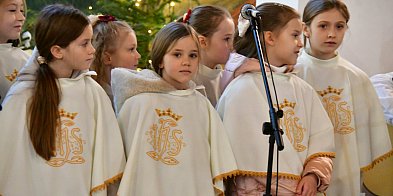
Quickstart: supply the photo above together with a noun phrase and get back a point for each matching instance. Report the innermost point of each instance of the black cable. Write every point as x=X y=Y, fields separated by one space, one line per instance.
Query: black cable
x=277 y=174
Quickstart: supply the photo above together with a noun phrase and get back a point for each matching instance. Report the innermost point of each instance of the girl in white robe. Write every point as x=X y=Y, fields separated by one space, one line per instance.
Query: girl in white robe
x=174 y=139
x=116 y=46
x=59 y=134
x=305 y=164
x=360 y=131
x=12 y=58
x=216 y=30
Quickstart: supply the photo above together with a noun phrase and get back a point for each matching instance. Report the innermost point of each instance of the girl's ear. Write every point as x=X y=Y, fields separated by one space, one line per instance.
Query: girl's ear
x=269 y=38
x=57 y=52
x=306 y=30
x=203 y=41
x=107 y=59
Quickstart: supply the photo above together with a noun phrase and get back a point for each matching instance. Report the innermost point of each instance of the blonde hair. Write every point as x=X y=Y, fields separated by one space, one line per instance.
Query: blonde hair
x=106 y=35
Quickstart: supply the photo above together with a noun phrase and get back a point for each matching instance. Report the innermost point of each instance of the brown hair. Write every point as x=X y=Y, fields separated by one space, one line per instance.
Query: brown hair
x=315 y=7
x=52 y=28
x=206 y=19
x=105 y=39
x=166 y=38
x=275 y=16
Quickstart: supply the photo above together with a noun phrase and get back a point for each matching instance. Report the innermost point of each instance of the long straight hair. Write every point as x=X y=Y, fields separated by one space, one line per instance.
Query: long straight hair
x=53 y=28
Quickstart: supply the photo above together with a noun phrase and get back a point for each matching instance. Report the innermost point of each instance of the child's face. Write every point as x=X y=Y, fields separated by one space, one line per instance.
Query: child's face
x=220 y=44
x=126 y=54
x=326 y=33
x=180 y=63
x=286 y=45
x=11 y=19
x=79 y=54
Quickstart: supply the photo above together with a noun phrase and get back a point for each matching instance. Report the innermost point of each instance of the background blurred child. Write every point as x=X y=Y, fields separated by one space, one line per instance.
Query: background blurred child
x=174 y=139
x=116 y=46
x=215 y=28
x=347 y=94
x=12 y=59
x=305 y=164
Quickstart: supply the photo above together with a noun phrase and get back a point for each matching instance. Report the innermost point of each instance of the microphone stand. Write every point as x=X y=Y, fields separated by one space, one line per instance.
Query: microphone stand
x=269 y=128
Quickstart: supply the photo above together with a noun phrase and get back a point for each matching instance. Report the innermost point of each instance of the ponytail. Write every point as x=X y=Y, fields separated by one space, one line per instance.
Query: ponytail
x=52 y=29
x=44 y=119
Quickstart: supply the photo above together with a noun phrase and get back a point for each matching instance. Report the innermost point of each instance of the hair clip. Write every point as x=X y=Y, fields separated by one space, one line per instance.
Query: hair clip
x=187 y=16
x=242 y=25
x=41 y=60
x=106 y=18
x=279 y=4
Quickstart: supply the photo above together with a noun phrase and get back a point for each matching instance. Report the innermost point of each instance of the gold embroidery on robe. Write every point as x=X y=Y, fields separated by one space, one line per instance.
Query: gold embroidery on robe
x=339 y=111
x=166 y=140
x=69 y=143
x=12 y=76
x=293 y=128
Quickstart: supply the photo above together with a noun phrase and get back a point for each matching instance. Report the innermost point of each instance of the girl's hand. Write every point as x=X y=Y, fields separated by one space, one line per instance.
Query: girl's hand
x=249 y=65
x=290 y=68
x=307 y=185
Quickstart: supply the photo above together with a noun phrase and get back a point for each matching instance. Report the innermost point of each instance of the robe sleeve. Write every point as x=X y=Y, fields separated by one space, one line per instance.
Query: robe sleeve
x=223 y=162
x=235 y=61
x=109 y=160
x=322 y=167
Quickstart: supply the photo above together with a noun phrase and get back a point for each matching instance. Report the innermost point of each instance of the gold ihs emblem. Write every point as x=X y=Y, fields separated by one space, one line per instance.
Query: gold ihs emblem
x=12 y=76
x=69 y=144
x=166 y=140
x=339 y=111
x=293 y=128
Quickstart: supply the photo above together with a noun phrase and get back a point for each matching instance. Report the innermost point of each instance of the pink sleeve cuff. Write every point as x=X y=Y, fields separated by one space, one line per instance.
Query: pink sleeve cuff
x=322 y=167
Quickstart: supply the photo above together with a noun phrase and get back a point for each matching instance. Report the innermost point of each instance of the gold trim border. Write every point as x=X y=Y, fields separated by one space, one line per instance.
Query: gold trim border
x=106 y=183
x=320 y=154
x=378 y=160
x=250 y=173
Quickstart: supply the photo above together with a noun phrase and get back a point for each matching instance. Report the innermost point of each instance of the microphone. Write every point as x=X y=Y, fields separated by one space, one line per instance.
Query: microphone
x=249 y=11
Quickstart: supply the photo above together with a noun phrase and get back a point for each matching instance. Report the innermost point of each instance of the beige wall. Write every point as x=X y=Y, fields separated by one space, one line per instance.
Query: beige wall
x=368 y=43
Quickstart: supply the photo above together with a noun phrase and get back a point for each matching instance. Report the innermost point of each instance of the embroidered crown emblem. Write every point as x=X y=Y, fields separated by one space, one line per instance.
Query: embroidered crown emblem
x=12 y=76
x=287 y=103
x=330 y=90
x=168 y=112
x=65 y=114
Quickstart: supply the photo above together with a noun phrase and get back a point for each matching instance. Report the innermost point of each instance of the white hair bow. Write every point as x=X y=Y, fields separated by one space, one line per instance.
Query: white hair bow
x=242 y=25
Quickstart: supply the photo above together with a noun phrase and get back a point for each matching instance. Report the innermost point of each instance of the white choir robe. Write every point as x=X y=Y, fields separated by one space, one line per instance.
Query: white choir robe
x=308 y=132
x=210 y=79
x=12 y=59
x=89 y=152
x=361 y=135
x=174 y=141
